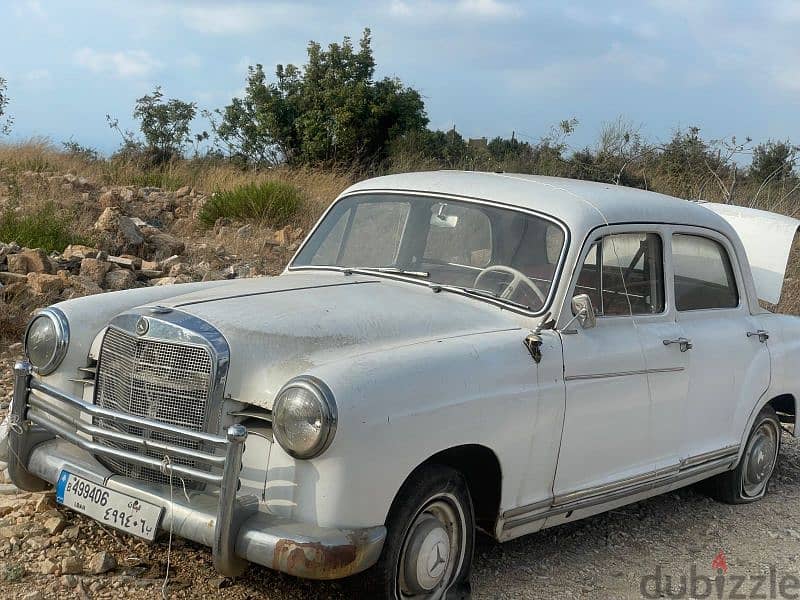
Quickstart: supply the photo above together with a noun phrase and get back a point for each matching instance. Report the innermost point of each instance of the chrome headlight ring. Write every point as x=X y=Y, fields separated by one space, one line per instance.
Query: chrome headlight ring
x=57 y=344
x=304 y=407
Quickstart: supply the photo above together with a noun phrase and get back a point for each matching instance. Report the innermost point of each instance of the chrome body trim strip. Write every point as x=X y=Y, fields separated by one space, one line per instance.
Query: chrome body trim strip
x=608 y=492
x=694 y=461
x=622 y=373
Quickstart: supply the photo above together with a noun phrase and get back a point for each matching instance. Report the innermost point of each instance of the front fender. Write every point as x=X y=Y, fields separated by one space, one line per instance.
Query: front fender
x=399 y=407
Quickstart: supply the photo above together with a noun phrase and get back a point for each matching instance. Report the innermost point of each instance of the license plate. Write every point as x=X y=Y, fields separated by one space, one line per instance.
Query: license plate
x=113 y=508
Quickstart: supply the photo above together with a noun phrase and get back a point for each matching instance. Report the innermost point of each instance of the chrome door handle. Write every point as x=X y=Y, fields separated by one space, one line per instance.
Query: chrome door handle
x=685 y=344
x=763 y=335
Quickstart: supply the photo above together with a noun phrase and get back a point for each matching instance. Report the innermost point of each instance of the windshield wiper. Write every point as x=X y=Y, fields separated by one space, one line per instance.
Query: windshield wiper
x=389 y=270
x=478 y=292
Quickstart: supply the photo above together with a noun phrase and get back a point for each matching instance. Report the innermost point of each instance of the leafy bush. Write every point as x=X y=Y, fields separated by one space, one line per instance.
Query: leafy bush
x=165 y=125
x=272 y=202
x=330 y=111
x=44 y=228
x=77 y=150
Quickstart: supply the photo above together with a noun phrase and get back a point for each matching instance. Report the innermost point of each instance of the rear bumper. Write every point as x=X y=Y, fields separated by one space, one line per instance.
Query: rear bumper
x=236 y=527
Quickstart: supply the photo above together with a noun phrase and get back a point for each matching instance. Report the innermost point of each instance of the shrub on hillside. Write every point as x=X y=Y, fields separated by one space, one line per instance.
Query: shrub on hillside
x=43 y=228
x=329 y=111
x=275 y=203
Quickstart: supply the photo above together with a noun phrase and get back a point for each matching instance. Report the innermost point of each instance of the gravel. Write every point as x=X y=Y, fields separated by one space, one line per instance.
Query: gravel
x=48 y=552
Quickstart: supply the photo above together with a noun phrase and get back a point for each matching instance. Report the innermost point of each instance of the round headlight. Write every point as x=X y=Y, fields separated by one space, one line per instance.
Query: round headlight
x=46 y=340
x=304 y=417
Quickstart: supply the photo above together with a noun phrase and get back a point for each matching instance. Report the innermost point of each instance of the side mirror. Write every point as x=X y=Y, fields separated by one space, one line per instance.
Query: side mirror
x=583 y=310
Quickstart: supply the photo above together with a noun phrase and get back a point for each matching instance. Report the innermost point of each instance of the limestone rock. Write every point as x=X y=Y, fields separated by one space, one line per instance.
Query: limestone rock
x=120 y=279
x=101 y=562
x=95 y=270
x=29 y=261
x=44 y=284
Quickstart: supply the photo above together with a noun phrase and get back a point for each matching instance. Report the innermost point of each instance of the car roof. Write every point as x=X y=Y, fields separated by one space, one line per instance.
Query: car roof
x=582 y=205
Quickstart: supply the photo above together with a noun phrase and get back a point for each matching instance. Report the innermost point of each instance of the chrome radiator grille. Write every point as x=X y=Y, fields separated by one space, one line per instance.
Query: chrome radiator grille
x=158 y=380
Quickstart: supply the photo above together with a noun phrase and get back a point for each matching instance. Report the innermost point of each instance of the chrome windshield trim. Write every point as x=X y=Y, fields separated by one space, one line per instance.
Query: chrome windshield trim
x=551 y=293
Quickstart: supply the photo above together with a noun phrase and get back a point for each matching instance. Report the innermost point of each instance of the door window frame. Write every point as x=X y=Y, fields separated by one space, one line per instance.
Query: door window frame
x=730 y=252
x=665 y=234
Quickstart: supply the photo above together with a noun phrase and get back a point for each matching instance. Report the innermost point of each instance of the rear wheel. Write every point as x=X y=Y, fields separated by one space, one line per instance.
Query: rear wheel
x=430 y=537
x=749 y=481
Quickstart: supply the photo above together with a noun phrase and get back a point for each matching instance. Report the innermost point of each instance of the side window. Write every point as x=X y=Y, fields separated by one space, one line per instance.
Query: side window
x=623 y=274
x=703 y=274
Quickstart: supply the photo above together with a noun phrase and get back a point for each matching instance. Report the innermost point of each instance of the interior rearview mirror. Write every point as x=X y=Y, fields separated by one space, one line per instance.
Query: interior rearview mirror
x=583 y=310
x=440 y=218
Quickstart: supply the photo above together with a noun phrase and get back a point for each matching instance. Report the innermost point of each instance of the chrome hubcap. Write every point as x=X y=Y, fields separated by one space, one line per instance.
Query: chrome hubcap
x=433 y=550
x=760 y=456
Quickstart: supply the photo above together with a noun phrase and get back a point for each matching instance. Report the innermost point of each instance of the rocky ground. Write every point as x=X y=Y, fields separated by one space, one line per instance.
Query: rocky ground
x=139 y=236
x=147 y=236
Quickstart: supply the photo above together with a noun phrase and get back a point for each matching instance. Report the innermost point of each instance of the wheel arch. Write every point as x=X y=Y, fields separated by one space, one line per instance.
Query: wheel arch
x=784 y=403
x=483 y=474
x=786 y=407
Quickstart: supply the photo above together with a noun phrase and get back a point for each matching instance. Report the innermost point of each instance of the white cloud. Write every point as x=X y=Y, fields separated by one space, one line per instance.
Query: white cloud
x=487 y=8
x=430 y=10
x=190 y=61
x=237 y=18
x=123 y=64
x=618 y=61
x=30 y=7
x=594 y=19
x=38 y=75
x=787 y=78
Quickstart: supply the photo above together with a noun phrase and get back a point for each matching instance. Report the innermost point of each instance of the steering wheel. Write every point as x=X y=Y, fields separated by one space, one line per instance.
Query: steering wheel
x=518 y=277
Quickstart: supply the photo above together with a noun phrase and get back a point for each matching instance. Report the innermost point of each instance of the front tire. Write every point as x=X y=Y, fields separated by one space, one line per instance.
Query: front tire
x=749 y=481
x=429 y=543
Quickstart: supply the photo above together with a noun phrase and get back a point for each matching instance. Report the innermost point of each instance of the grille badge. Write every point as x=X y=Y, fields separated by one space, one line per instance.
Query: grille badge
x=142 y=326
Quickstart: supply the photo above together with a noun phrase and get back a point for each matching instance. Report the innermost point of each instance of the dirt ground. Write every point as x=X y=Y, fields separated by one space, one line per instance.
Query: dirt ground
x=604 y=557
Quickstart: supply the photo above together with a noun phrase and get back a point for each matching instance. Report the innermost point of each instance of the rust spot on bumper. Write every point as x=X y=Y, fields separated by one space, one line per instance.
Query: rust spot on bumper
x=317 y=560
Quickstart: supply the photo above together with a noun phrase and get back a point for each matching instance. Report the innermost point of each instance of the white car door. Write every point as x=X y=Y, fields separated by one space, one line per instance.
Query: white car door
x=728 y=369
x=607 y=427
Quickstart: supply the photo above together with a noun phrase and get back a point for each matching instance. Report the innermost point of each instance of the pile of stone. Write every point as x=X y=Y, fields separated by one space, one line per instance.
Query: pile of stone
x=141 y=236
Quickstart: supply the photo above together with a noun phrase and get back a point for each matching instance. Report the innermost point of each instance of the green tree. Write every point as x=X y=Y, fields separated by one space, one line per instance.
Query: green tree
x=773 y=162
x=330 y=111
x=165 y=125
x=5 y=121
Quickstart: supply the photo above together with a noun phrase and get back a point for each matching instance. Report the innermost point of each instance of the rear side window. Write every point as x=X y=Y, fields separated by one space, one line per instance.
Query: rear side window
x=703 y=274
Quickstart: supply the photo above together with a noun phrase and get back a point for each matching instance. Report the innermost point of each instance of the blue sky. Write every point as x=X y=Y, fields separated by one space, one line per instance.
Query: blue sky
x=488 y=66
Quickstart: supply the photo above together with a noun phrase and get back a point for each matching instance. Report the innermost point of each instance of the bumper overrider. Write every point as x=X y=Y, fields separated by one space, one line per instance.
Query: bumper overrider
x=52 y=431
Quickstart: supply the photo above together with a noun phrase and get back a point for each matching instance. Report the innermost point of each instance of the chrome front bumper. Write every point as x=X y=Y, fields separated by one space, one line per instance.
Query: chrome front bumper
x=47 y=437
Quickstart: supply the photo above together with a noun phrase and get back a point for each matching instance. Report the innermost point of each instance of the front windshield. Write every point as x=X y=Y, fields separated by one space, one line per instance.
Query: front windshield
x=501 y=253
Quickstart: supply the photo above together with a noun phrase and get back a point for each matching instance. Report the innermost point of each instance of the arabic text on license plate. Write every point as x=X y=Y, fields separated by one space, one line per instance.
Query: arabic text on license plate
x=108 y=506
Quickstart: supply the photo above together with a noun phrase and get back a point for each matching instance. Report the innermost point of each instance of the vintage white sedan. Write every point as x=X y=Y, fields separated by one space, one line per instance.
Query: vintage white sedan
x=446 y=352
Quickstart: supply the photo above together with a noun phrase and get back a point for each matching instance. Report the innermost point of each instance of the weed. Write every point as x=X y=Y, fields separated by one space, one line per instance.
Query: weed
x=44 y=228
x=272 y=202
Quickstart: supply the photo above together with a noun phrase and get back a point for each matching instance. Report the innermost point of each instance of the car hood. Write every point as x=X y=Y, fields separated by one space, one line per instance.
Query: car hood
x=280 y=327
